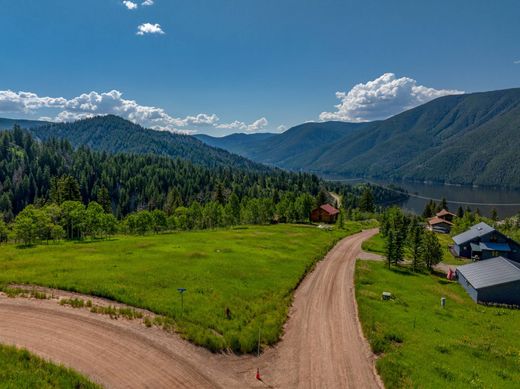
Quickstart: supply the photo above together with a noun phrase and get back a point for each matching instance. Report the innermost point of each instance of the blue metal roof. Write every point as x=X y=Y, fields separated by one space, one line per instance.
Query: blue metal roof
x=476 y=231
x=490 y=272
x=495 y=246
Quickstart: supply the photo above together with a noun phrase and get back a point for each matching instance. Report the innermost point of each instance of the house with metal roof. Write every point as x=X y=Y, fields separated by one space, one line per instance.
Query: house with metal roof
x=484 y=242
x=495 y=281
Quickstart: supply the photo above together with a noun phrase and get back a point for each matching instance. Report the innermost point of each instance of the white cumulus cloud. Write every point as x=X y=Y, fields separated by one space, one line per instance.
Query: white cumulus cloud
x=255 y=126
x=92 y=104
x=26 y=101
x=130 y=4
x=381 y=98
x=147 y=2
x=148 y=28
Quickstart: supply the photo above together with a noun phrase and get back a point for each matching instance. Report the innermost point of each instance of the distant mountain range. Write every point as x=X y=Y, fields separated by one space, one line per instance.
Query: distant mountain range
x=116 y=135
x=462 y=139
x=8 y=124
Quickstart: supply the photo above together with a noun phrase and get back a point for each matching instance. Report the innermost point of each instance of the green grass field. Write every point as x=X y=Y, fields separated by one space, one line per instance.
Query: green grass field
x=422 y=345
x=376 y=244
x=21 y=369
x=253 y=271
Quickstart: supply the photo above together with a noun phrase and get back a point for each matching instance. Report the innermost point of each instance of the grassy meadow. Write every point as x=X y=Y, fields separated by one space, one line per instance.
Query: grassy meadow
x=253 y=271
x=375 y=244
x=21 y=369
x=421 y=345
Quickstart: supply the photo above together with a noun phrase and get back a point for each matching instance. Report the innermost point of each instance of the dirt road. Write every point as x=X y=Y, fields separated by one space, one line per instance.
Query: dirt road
x=323 y=346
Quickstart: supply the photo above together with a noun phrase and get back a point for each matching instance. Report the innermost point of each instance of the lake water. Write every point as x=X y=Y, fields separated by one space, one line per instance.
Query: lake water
x=505 y=201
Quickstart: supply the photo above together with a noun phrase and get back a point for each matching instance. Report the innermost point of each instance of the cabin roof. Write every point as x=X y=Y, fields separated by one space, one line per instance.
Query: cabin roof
x=437 y=220
x=445 y=212
x=329 y=209
x=490 y=272
x=476 y=231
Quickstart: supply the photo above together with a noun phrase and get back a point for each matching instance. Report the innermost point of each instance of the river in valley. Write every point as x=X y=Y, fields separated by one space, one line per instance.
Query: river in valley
x=505 y=201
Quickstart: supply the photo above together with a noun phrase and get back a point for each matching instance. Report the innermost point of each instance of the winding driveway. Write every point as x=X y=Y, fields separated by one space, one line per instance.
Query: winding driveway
x=323 y=346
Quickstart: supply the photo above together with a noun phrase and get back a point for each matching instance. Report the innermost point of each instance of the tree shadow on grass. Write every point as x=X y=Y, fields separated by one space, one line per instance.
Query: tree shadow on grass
x=26 y=246
x=402 y=270
x=90 y=241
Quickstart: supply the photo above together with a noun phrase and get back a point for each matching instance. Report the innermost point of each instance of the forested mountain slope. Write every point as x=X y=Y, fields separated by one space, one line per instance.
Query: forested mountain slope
x=293 y=149
x=31 y=171
x=463 y=139
x=28 y=168
x=239 y=144
x=113 y=134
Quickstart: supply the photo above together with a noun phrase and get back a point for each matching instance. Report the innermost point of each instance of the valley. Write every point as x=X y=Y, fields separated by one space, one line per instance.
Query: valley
x=437 y=142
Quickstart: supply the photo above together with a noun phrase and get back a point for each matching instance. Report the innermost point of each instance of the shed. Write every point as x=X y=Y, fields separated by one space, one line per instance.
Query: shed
x=496 y=280
x=325 y=213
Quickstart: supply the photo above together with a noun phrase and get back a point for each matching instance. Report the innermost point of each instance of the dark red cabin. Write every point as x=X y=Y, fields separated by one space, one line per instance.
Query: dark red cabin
x=325 y=213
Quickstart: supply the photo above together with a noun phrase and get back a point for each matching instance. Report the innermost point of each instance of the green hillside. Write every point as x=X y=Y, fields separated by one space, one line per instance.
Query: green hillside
x=293 y=149
x=463 y=139
x=239 y=144
x=466 y=139
x=115 y=135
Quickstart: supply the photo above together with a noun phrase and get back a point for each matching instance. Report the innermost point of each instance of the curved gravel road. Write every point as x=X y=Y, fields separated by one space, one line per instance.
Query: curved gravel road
x=323 y=346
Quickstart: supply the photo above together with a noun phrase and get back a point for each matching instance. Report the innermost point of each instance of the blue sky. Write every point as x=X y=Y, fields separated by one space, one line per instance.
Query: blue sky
x=224 y=66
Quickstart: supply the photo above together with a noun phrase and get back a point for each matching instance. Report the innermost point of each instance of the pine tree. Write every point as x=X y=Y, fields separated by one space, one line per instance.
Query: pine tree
x=340 y=223
x=390 y=247
x=494 y=215
x=173 y=201
x=415 y=243
x=69 y=188
x=103 y=198
x=322 y=197
x=431 y=250
x=3 y=229
x=366 y=204
x=219 y=194
x=428 y=209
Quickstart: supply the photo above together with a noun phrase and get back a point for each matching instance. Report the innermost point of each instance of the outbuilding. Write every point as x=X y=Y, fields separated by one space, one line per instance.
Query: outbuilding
x=493 y=281
x=325 y=213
